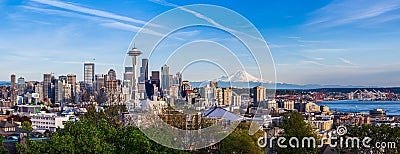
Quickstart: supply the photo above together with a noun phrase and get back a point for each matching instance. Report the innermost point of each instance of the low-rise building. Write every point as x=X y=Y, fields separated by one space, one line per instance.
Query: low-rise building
x=29 y=108
x=287 y=104
x=322 y=125
x=49 y=121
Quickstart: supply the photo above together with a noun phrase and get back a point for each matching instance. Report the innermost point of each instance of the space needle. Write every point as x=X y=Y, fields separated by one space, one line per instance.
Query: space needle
x=134 y=53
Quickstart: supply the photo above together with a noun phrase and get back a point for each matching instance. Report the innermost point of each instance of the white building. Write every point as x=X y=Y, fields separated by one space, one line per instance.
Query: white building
x=269 y=104
x=237 y=100
x=49 y=121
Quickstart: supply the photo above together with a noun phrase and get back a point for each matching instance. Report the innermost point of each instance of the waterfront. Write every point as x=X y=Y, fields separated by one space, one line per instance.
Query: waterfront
x=392 y=107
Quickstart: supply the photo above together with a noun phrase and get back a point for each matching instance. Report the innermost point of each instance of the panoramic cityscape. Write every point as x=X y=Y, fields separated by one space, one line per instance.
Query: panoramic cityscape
x=199 y=78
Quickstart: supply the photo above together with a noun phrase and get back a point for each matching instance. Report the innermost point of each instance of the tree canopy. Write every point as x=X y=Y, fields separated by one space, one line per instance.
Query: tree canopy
x=295 y=126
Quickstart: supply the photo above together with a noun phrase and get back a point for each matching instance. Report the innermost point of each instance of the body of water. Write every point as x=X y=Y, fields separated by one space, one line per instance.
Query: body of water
x=391 y=107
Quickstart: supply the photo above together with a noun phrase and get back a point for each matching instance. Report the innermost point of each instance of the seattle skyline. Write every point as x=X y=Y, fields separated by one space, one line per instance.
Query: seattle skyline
x=324 y=42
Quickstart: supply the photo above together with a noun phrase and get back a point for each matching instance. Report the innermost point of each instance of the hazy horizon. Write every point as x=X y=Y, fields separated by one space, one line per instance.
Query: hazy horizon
x=326 y=42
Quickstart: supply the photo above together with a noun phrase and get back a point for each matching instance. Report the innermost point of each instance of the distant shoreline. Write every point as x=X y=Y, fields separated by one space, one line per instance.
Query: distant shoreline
x=356 y=106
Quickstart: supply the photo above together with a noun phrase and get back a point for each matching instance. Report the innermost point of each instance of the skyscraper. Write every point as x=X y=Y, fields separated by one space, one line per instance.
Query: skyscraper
x=12 y=89
x=144 y=71
x=58 y=90
x=259 y=94
x=164 y=77
x=88 y=73
x=71 y=79
x=100 y=82
x=12 y=81
x=179 y=82
x=46 y=86
x=227 y=94
x=128 y=74
x=21 y=86
x=63 y=78
x=155 y=78
x=112 y=75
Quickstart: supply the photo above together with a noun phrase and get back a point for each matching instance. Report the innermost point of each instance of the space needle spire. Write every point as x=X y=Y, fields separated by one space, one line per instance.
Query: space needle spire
x=134 y=53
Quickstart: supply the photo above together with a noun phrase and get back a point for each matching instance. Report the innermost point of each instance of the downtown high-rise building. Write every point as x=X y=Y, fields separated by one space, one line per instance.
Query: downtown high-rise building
x=207 y=92
x=100 y=81
x=179 y=82
x=144 y=71
x=219 y=96
x=128 y=74
x=237 y=100
x=71 y=79
x=21 y=86
x=227 y=95
x=13 y=89
x=58 y=91
x=38 y=92
x=63 y=78
x=259 y=94
x=165 y=77
x=111 y=75
x=88 y=73
x=127 y=90
x=47 y=85
x=155 y=78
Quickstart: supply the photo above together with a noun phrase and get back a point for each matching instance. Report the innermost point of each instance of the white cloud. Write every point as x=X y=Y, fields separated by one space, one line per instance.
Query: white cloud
x=104 y=21
x=92 y=12
x=312 y=41
x=346 y=61
x=293 y=37
x=201 y=16
x=346 y=12
x=128 y=27
x=323 y=50
x=312 y=62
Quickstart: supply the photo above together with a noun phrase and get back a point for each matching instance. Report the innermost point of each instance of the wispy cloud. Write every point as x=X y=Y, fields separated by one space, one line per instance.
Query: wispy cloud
x=346 y=12
x=128 y=27
x=81 y=63
x=105 y=22
x=63 y=13
x=312 y=62
x=203 y=17
x=293 y=37
x=273 y=45
x=312 y=41
x=90 y=11
x=197 y=14
x=346 y=61
x=188 y=33
x=323 y=50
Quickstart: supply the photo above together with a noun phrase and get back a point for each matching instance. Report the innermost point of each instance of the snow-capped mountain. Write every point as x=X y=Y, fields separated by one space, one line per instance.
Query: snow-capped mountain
x=240 y=76
x=242 y=79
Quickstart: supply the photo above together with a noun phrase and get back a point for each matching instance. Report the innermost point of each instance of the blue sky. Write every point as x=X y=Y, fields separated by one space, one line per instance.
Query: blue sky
x=312 y=42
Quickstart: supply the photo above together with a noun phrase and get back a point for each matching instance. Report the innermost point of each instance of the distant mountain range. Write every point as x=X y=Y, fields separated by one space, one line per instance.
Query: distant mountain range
x=242 y=79
x=240 y=76
x=4 y=83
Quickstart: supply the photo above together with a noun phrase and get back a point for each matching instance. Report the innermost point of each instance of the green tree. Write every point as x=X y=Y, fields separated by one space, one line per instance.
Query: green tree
x=3 y=150
x=96 y=133
x=26 y=125
x=239 y=141
x=295 y=126
x=382 y=133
